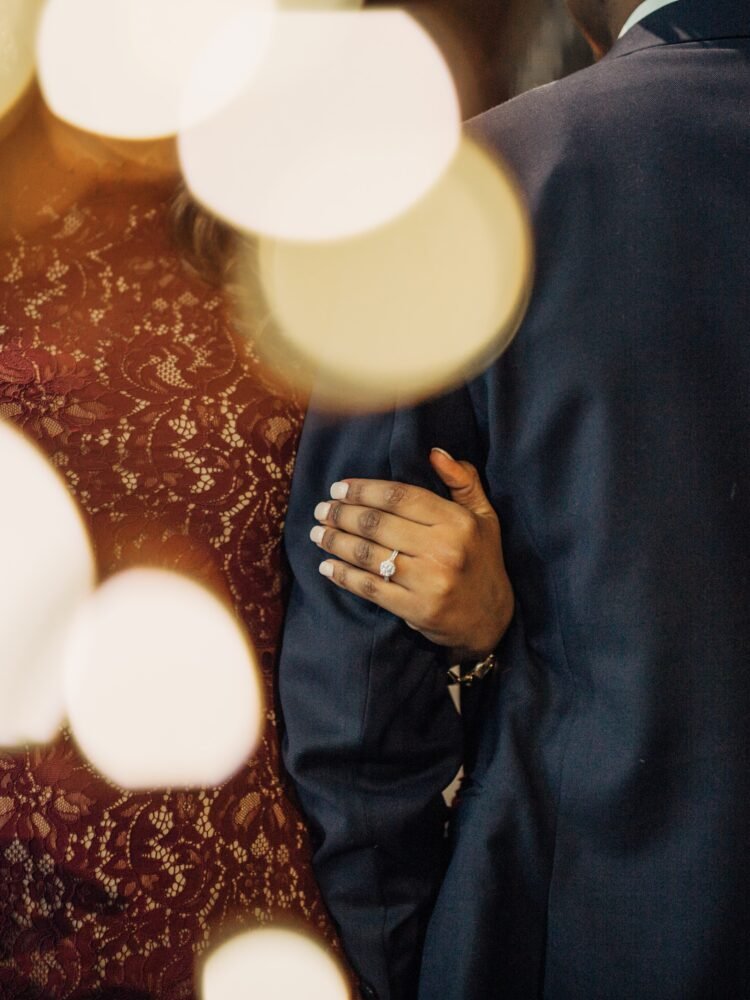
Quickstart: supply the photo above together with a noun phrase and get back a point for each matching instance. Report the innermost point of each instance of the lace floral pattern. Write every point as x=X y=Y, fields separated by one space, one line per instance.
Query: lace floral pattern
x=122 y=365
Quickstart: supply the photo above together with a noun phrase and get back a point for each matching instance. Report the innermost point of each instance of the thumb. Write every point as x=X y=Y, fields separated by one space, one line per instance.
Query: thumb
x=462 y=479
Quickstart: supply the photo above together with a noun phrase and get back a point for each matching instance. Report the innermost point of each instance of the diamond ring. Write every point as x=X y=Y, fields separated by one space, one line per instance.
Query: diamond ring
x=388 y=566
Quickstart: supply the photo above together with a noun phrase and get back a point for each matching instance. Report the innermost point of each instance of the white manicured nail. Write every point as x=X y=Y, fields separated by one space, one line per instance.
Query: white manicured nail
x=339 y=491
x=317 y=534
x=322 y=511
x=444 y=452
x=326 y=569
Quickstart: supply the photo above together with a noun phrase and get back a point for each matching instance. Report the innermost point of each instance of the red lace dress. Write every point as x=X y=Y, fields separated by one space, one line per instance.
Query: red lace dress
x=122 y=365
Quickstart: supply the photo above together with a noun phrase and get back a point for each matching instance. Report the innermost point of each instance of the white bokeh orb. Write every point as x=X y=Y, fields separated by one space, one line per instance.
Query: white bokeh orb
x=319 y=5
x=161 y=685
x=120 y=68
x=47 y=571
x=275 y=964
x=351 y=117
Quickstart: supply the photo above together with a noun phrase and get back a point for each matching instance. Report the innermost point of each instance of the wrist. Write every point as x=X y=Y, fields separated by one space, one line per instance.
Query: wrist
x=488 y=638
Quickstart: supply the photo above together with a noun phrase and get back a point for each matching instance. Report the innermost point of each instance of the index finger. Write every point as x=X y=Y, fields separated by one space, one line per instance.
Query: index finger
x=410 y=502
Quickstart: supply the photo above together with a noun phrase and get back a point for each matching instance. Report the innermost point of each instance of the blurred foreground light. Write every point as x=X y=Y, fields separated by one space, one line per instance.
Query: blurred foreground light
x=351 y=117
x=18 y=22
x=161 y=687
x=47 y=570
x=408 y=310
x=273 y=964
x=120 y=68
x=303 y=5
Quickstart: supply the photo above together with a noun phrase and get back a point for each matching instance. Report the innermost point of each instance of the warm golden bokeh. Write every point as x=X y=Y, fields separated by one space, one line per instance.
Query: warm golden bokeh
x=18 y=24
x=410 y=309
x=47 y=569
x=161 y=686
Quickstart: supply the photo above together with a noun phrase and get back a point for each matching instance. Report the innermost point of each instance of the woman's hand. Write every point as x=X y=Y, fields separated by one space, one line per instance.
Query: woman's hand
x=450 y=582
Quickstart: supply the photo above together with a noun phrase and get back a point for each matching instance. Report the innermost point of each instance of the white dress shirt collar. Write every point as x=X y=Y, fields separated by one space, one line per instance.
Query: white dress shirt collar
x=644 y=10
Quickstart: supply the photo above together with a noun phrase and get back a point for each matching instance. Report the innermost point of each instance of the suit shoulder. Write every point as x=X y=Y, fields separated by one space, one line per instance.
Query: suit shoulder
x=571 y=118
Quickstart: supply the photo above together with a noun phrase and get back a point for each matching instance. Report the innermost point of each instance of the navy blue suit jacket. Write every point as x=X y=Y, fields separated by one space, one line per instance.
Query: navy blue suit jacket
x=601 y=845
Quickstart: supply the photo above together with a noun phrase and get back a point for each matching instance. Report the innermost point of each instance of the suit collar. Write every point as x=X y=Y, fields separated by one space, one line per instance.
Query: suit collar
x=687 y=21
x=642 y=11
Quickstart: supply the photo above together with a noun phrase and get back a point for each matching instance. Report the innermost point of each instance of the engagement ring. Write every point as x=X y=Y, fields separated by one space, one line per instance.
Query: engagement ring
x=388 y=566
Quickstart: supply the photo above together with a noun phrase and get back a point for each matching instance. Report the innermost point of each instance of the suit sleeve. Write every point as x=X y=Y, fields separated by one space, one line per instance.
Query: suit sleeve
x=371 y=736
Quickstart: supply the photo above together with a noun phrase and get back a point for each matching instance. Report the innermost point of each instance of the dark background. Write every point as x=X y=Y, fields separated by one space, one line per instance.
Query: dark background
x=499 y=48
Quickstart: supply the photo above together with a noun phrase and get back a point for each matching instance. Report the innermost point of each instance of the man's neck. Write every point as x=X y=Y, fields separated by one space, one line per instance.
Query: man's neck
x=602 y=33
x=620 y=12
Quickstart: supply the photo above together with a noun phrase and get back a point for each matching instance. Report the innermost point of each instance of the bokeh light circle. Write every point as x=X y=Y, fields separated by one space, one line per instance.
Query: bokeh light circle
x=47 y=570
x=351 y=117
x=405 y=311
x=308 y=5
x=161 y=687
x=18 y=23
x=120 y=68
x=275 y=964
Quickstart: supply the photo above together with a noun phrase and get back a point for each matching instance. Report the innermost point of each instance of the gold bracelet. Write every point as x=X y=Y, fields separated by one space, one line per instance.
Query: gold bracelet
x=479 y=672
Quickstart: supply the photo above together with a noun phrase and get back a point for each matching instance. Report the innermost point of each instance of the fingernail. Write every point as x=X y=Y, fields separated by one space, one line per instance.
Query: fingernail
x=322 y=511
x=444 y=452
x=326 y=569
x=317 y=534
x=339 y=491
